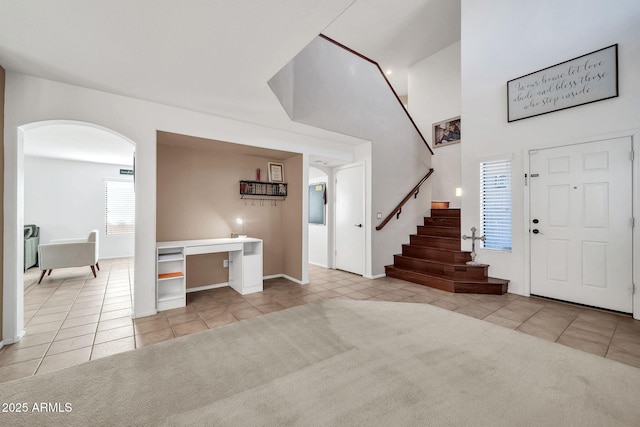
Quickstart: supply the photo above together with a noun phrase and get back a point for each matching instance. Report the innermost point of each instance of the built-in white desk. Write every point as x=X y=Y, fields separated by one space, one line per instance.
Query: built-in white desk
x=245 y=267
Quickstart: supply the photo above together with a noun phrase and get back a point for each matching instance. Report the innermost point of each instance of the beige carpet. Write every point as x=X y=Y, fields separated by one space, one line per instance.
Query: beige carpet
x=346 y=363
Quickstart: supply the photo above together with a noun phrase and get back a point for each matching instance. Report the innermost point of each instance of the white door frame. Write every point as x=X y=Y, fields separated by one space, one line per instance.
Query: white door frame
x=364 y=210
x=328 y=218
x=13 y=274
x=635 y=143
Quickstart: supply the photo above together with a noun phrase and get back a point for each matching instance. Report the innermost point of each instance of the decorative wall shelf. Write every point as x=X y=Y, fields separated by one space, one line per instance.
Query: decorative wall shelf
x=259 y=190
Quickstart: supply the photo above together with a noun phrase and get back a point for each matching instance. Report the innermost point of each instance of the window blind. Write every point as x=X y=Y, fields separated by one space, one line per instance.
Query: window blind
x=495 y=203
x=120 y=211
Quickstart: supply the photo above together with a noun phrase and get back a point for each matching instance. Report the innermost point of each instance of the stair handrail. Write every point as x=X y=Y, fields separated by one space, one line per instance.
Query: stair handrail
x=398 y=210
x=384 y=76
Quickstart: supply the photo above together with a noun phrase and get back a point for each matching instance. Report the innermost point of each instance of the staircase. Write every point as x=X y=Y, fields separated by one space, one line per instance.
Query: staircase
x=433 y=258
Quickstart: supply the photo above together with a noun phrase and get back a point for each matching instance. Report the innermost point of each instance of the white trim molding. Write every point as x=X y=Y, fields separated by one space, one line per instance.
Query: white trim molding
x=207 y=287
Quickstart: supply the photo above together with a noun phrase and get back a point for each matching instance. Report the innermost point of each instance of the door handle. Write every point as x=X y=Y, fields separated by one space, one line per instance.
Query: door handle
x=357 y=225
x=536 y=231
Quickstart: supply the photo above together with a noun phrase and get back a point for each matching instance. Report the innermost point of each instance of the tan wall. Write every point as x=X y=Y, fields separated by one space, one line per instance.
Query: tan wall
x=198 y=198
x=2 y=80
x=292 y=216
x=206 y=269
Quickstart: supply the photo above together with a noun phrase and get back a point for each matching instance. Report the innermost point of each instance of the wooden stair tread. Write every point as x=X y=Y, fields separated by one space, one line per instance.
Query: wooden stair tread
x=435 y=241
x=438 y=228
x=445 y=213
x=488 y=280
x=491 y=286
x=452 y=251
x=448 y=264
x=457 y=239
x=444 y=221
x=436 y=254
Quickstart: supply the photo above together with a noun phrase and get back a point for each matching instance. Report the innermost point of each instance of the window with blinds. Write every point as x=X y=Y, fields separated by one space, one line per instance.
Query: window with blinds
x=120 y=207
x=495 y=204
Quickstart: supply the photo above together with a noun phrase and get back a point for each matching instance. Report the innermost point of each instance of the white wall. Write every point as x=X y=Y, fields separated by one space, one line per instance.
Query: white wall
x=503 y=40
x=434 y=96
x=318 y=233
x=334 y=89
x=66 y=199
x=30 y=100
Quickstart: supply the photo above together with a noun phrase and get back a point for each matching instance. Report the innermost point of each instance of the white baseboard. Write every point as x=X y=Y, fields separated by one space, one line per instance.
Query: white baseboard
x=7 y=341
x=145 y=314
x=206 y=287
x=318 y=265
x=276 y=276
x=299 y=282
x=375 y=276
x=116 y=257
x=1 y=344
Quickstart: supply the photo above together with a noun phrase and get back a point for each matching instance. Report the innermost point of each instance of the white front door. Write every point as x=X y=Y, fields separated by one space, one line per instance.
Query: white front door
x=350 y=219
x=581 y=222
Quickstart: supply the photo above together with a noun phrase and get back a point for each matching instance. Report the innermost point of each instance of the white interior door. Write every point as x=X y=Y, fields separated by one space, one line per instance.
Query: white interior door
x=581 y=223
x=350 y=219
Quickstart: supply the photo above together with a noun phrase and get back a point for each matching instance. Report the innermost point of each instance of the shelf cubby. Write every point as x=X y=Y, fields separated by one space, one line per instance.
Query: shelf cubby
x=170 y=284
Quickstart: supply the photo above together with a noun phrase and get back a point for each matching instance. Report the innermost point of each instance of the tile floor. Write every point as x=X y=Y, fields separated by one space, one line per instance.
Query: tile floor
x=72 y=318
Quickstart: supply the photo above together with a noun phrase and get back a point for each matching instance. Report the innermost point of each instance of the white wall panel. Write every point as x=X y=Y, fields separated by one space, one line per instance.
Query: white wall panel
x=66 y=200
x=503 y=40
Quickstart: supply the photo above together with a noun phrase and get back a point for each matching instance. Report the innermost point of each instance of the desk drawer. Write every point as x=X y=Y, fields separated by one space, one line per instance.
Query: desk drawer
x=209 y=249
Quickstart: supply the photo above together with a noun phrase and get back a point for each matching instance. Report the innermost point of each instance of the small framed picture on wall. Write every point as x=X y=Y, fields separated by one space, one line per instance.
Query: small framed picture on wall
x=446 y=132
x=276 y=172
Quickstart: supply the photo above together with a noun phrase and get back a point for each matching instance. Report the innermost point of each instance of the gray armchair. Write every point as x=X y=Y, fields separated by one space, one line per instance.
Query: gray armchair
x=31 y=242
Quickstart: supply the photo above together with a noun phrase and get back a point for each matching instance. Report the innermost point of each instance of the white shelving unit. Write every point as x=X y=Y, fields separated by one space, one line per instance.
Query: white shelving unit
x=171 y=286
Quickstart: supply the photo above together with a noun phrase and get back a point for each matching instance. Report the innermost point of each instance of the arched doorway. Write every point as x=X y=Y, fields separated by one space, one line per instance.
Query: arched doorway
x=78 y=148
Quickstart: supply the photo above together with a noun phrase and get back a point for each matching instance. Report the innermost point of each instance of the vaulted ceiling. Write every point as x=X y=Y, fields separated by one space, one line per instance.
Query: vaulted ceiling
x=208 y=56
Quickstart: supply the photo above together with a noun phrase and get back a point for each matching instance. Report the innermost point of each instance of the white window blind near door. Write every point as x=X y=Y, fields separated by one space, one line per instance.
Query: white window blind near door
x=495 y=203
x=120 y=208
